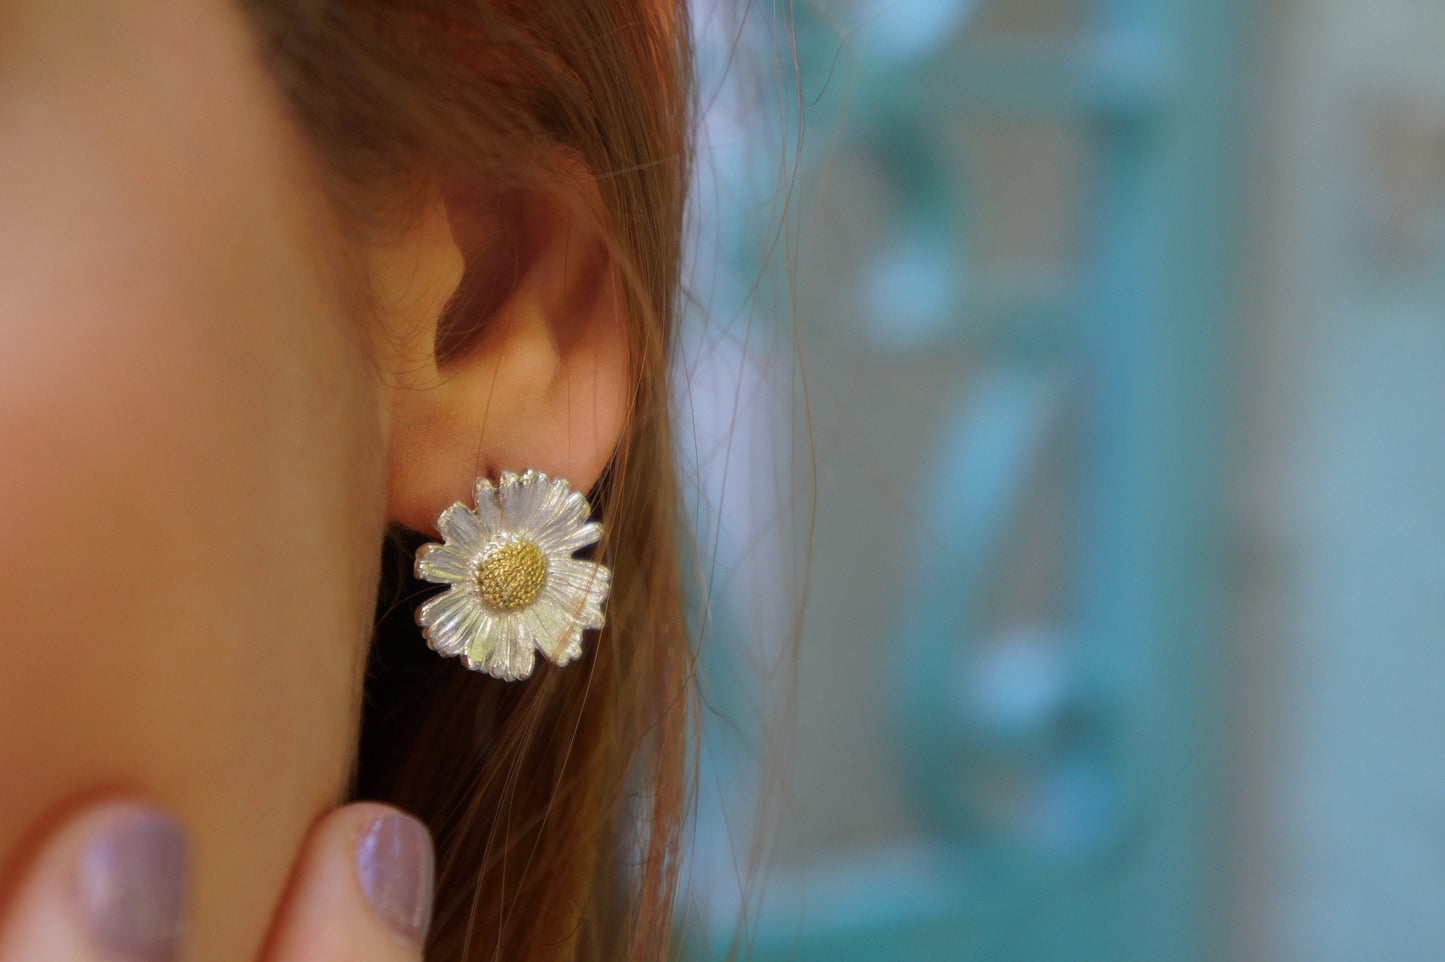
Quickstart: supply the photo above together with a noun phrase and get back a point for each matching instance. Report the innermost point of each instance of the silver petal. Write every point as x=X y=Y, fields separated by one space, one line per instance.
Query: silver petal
x=447 y=620
x=461 y=528
x=551 y=625
x=560 y=637
x=442 y=564
x=520 y=498
x=523 y=657
x=563 y=510
x=479 y=641
x=438 y=608
x=565 y=539
x=510 y=659
x=572 y=650
x=579 y=588
x=484 y=495
x=548 y=632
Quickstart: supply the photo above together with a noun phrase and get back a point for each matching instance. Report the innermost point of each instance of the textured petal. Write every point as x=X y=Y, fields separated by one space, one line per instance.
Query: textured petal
x=553 y=622
x=442 y=564
x=563 y=540
x=529 y=636
x=463 y=530
x=572 y=650
x=481 y=640
x=565 y=637
x=536 y=627
x=579 y=589
x=563 y=512
x=483 y=648
x=484 y=495
x=448 y=621
x=520 y=498
x=523 y=656
x=577 y=575
x=508 y=659
x=438 y=608
x=477 y=627
x=548 y=631
x=555 y=494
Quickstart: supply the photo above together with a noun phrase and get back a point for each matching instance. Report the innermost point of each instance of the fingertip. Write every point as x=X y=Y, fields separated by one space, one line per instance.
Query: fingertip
x=130 y=883
x=111 y=883
x=362 y=889
x=395 y=867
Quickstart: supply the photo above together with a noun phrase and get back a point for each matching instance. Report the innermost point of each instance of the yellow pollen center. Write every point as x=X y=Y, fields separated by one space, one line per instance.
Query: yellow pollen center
x=511 y=574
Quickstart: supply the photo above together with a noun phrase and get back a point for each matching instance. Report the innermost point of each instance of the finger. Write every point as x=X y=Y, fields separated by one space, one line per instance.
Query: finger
x=108 y=886
x=361 y=890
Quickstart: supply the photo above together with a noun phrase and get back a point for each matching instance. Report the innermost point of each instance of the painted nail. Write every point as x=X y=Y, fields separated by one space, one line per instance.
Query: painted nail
x=394 y=865
x=131 y=886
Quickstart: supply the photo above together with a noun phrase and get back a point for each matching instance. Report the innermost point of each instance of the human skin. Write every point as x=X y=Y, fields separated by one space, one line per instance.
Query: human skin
x=192 y=491
x=202 y=441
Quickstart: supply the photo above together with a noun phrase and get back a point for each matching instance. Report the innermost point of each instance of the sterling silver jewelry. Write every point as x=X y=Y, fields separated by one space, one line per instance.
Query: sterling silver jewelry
x=515 y=588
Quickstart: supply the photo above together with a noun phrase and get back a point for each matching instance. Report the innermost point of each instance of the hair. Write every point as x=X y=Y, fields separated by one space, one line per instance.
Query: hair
x=556 y=803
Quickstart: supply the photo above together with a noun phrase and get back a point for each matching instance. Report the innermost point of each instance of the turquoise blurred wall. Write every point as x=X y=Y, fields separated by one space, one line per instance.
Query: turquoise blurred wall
x=1067 y=403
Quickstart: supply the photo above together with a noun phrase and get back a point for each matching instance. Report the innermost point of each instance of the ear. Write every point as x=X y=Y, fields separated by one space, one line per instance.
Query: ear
x=505 y=345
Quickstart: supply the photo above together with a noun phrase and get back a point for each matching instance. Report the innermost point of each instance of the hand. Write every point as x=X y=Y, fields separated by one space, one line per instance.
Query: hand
x=109 y=885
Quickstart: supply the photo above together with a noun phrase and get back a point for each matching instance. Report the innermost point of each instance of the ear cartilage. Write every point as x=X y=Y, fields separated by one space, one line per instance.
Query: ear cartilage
x=514 y=587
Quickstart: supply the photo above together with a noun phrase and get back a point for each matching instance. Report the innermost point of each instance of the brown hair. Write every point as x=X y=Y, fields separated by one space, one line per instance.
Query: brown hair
x=557 y=802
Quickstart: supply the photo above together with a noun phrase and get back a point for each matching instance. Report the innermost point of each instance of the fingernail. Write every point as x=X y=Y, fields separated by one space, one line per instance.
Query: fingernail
x=394 y=865
x=131 y=886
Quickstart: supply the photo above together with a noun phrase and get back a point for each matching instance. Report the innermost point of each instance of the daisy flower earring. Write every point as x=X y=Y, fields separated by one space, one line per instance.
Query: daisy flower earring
x=515 y=588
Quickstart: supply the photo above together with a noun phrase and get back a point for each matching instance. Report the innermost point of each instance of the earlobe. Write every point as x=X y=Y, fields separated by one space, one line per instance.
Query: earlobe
x=508 y=347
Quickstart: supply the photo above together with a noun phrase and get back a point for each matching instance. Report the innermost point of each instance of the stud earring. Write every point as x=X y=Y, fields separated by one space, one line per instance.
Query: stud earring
x=515 y=588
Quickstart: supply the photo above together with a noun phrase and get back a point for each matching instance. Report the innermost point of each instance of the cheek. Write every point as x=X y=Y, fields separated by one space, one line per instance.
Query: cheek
x=191 y=493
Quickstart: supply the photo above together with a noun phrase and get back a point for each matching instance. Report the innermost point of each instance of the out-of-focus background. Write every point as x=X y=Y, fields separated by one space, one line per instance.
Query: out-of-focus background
x=1064 y=421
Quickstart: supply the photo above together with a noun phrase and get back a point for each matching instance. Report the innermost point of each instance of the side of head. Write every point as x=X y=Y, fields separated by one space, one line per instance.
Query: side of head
x=278 y=280
x=525 y=280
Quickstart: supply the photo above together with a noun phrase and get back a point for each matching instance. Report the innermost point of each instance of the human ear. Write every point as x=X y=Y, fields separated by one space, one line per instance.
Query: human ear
x=504 y=345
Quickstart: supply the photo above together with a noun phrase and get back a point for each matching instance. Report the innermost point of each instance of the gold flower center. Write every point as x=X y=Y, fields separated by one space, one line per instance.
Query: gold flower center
x=511 y=574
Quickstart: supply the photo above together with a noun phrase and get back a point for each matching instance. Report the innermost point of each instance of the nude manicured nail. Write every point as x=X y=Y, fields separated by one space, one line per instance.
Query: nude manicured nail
x=394 y=866
x=131 y=886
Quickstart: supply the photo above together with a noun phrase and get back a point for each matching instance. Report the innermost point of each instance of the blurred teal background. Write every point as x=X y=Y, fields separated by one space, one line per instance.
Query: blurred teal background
x=1064 y=421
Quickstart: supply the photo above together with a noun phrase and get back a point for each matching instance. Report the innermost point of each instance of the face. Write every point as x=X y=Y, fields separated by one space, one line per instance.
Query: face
x=204 y=436
x=193 y=489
